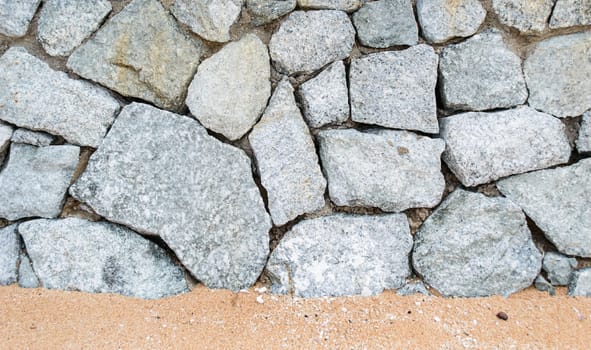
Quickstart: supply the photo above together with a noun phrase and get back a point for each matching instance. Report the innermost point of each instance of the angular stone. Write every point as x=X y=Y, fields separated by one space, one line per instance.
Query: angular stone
x=473 y=246
x=15 y=16
x=35 y=180
x=209 y=19
x=307 y=41
x=5 y=137
x=580 y=284
x=343 y=5
x=584 y=139
x=266 y=11
x=413 y=288
x=9 y=254
x=325 y=98
x=162 y=174
x=525 y=16
x=570 y=13
x=140 y=52
x=543 y=285
x=342 y=255
x=481 y=73
x=559 y=268
x=34 y=138
x=34 y=96
x=483 y=147
x=442 y=20
x=558 y=75
x=231 y=88
x=26 y=275
x=64 y=24
x=559 y=202
x=395 y=89
x=386 y=23
x=389 y=169
x=100 y=257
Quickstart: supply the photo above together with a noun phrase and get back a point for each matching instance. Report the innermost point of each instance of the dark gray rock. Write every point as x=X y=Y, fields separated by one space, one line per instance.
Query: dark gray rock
x=343 y=5
x=412 y=288
x=558 y=267
x=26 y=275
x=209 y=19
x=570 y=13
x=526 y=16
x=442 y=20
x=9 y=254
x=584 y=139
x=580 y=284
x=386 y=23
x=29 y=137
x=15 y=16
x=266 y=11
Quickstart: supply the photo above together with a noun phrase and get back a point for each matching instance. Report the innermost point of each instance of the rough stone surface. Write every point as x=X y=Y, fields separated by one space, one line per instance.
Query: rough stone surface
x=210 y=19
x=473 y=245
x=342 y=255
x=29 y=137
x=140 y=52
x=231 y=88
x=307 y=41
x=481 y=73
x=413 y=288
x=9 y=254
x=266 y=11
x=64 y=24
x=580 y=284
x=35 y=180
x=100 y=257
x=543 y=285
x=395 y=89
x=386 y=23
x=525 y=16
x=584 y=139
x=6 y=132
x=343 y=5
x=286 y=158
x=388 y=169
x=559 y=268
x=162 y=174
x=558 y=75
x=325 y=98
x=34 y=96
x=559 y=202
x=26 y=275
x=15 y=16
x=482 y=147
x=442 y=20
x=569 y=13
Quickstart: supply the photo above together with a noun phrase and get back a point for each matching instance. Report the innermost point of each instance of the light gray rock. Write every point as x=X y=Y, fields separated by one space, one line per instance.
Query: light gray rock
x=34 y=96
x=570 y=13
x=162 y=174
x=286 y=158
x=100 y=257
x=9 y=254
x=559 y=268
x=483 y=147
x=307 y=41
x=413 y=288
x=210 y=19
x=584 y=138
x=140 y=52
x=580 y=284
x=342 y=255
x=395 y=89
x=343 y=5
x=525 y=16
x=26 y=275
x=481 y=73
x=35 y=180
x=266 y=11
x=389 y=169
x=558 y=75
x=15 y=16
x=442 y=20
x=473 y=246
x=559 y=202
x=29 y=137
x=386 y=23
x=231 y=88
x=64 y=24
x=325 y=98
x=6 y=132
x=543 y=285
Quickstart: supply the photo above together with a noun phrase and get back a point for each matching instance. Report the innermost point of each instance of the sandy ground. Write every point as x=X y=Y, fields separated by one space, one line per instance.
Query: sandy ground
x=210 y=319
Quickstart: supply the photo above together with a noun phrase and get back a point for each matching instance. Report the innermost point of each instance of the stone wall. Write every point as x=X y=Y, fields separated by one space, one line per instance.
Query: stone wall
x=320 y=147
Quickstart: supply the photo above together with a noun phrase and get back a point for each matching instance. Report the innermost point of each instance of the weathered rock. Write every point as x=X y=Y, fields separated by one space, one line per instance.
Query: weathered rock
x=15 y=16
x=26 y=275
x=35 y=180
x=140 y=52
x=389 y=169
x=543 y=285
x=342 y=255
x=34 y=96
x=442 y=20
x=5 y=137
x=395 y=89
x=559 y=202
x=231 y=88
x=580 y=284
x=413 y=288
x=286 y=158
x=266 y=11
x=9 y=253
x=209 y=19
x=29 y=137
x=584 y=139
x=525 y=16
x=559 y=268
x=162 y=174
x=482 y=147
x=100 y=257
x=558 y=75
x=343 y=5
x=325 y=98
x=64 y=24
x=473 y=245
x=481 y=73
x=570 y=13
x=307 y=41
x=386 y=23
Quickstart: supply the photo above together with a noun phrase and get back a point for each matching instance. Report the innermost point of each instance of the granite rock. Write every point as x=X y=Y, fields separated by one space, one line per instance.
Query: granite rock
x=570 y=13
x=9 y=254
x=210 y=19
x=584 y=138
x=29 y=137
x=266 y=11
x=558 y=267
x=386 y=23
x=6 y=132
x=525 y=16
x=543 y=285
x=15 y=16
x=442 y=20
x=580 y=284
x=26 y=275
x=413 y=288
x=343 y=5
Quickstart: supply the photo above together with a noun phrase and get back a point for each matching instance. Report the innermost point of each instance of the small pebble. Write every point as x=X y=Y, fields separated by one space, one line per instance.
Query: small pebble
x=260 y=299
x=503 y=316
